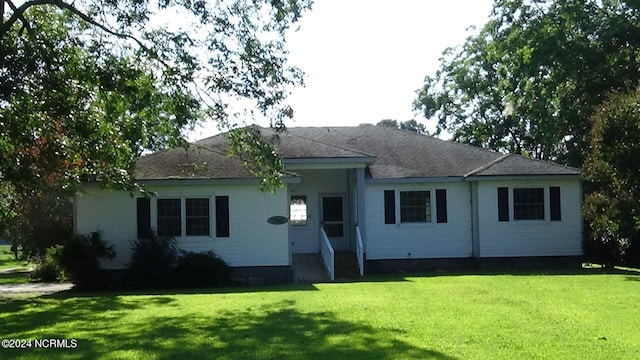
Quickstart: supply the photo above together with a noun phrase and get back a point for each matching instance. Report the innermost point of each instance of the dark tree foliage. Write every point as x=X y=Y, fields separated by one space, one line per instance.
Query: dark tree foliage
x=613 y=209
x=80 y=260
x=88 y=86
x=414 y=126
x=152 y=262
x=529 y=81
x=205 y=269
x=36 y=222
x=388 y=123
x=410 y=125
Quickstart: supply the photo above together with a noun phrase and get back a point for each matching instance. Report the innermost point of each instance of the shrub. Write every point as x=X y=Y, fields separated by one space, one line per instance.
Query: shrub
x=80 y=259
x=202 y=270
x=48 y=268
x=152 y=262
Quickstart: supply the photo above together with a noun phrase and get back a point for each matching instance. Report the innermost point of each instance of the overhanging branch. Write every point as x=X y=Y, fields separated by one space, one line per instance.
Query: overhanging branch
x=25 y=23
x=18 y=14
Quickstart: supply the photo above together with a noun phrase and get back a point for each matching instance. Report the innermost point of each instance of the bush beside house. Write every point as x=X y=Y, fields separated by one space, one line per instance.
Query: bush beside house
x=157 y=263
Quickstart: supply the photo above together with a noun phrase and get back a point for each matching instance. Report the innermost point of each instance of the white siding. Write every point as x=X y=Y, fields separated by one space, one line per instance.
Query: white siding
x=252 y=241
x=530 y=237
x=425 y=240
x=113 y=214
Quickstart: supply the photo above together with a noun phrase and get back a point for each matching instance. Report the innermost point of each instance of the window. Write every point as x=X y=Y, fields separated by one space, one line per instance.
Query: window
x=298 y=210
x=415 y=206
x=169 y=217
x=197 y=217
x=528 y=204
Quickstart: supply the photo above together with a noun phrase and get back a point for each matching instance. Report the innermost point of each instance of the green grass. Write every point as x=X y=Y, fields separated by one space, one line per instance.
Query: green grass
x=441 y=317
x=15 y=278
x=7 y=260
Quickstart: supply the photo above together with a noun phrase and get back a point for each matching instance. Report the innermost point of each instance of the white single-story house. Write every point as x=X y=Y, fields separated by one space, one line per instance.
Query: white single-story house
x=379 y=193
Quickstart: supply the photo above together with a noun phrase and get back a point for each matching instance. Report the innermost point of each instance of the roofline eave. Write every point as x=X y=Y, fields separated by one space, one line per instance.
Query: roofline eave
x=204 y=181
x=523 y=177
x=414 y=180
x=327 y=163
x=325 y=160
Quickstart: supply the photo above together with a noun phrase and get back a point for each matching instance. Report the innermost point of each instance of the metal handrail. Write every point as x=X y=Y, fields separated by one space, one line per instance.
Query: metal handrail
x=328 y=254
x=360 y=250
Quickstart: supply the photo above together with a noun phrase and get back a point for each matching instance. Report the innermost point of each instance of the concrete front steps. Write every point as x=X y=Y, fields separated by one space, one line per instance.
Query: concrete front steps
x=346 y=265
x=309 y=268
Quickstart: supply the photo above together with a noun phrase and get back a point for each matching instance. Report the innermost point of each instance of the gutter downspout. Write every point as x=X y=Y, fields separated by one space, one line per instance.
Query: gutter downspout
x=361 y=203
x=475 y=230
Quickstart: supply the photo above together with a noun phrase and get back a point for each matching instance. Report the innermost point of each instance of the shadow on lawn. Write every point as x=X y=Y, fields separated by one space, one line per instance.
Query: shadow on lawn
x=186 y=291
x=274 y=331
x=281 y=331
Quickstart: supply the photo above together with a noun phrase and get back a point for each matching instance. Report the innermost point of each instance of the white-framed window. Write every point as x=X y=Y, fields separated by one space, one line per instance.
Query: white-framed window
x=528 y=203
x=169 y=219
x=196 y=217
x=298 y=211
x=415 y=206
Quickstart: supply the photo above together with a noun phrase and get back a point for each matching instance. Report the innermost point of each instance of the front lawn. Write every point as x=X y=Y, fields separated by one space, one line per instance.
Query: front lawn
x=7 y=260
x=441 y=317
x=15 y=278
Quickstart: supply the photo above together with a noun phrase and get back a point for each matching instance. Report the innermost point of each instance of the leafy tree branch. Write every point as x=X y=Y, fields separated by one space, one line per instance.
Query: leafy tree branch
x=530 y=79
x=91 y=85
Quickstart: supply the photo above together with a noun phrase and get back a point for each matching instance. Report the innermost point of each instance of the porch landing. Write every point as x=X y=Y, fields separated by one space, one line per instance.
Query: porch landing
x=308 y=268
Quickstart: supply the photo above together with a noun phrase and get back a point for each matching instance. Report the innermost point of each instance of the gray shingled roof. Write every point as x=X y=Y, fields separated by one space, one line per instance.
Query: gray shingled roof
x=196 y=162
x=395 y=154
x=517 y=165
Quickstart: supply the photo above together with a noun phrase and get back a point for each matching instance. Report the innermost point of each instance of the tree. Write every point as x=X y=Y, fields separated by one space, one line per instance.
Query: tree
x=612 y=208
x=85 y=88
x=410 y=125
x=414 y=126
x=36 y=221
x=528 y=82
x=388 y=123
x=96 y=84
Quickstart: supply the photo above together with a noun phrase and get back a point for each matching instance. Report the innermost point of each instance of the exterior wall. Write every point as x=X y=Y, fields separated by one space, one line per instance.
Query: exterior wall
x=113 y=213
x=315 y=183
x=252 y=241
x=423 y=240
x=529 y=237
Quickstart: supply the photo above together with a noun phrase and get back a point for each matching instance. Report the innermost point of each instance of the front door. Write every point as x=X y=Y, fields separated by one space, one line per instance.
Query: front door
x=333 y=220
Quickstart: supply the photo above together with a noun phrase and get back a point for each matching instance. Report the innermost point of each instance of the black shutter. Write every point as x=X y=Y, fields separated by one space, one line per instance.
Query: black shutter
x=222 y=216
x=389 y=207
x=503 y=204
x=554 y=202
x=143 y=215
x=441 y=205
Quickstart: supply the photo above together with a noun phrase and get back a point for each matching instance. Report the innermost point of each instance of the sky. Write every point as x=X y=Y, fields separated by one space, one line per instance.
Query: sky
x=365 y=59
